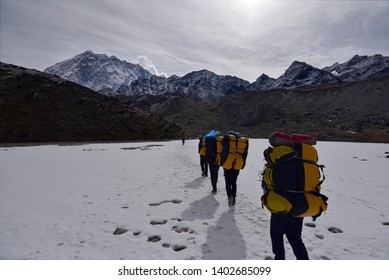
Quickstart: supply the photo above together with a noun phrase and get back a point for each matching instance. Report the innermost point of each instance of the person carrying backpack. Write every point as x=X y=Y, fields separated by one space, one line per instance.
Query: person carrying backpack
x=291 y=184
x=233 y=159
x=212 y=156
x=203 y=163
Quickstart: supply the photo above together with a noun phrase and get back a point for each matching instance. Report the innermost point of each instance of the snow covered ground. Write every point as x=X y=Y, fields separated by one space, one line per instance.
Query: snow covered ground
x=148 y=201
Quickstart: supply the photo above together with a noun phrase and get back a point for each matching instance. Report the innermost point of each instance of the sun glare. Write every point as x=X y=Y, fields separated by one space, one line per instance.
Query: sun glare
x=248 y=3
x=249 y=7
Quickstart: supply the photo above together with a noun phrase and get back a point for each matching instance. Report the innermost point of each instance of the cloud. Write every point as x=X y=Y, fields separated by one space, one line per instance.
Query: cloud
x=229 y=37
x=147 y=64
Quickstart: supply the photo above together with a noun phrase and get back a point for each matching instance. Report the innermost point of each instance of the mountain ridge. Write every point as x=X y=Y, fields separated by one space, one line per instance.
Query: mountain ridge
x=41 y=107
x=206 y=84
x=349 y=111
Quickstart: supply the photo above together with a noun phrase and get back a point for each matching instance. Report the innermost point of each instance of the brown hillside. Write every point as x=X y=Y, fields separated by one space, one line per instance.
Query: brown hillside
x=38 y=107
x=357 y=111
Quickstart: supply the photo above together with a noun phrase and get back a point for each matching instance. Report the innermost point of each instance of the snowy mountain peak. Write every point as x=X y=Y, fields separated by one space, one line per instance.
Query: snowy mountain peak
x=201 y=74
x=263 y=82
x=98 y=71
x=361 y=67
x=356 y=59
x=298 y=67
x=303 y=74
x=263 y=77
x=204 y=84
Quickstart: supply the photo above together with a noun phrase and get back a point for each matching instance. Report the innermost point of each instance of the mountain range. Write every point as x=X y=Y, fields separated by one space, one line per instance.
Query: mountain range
x=348 y=111
x=111 y=76
x=41 y=107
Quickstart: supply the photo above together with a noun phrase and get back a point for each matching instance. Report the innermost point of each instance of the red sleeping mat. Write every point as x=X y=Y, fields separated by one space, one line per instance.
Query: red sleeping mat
x=279 y=138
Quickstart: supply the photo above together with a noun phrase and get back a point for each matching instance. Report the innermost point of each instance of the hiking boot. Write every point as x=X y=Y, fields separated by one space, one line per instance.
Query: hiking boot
x=214 y=191
x=231 y=201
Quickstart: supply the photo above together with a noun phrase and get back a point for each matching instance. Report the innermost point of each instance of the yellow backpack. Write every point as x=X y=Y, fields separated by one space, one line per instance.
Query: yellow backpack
x=202 y=149
x=292 y=181
x=234 y=151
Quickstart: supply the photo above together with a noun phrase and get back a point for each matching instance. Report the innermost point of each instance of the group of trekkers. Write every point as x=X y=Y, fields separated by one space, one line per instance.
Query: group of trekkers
x=291 y=181
x=229 y=152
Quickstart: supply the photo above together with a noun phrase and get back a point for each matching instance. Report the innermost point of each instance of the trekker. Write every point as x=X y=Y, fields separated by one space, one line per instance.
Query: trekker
x=233 y=158
x=291 y=181
x=203 y=163
x=212 y=156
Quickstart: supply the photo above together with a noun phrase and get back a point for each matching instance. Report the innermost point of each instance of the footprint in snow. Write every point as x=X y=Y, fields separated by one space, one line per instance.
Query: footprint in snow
x=312 y=225
x=158 y=222
x=360 y=159
x=319 y=236
x=182 y=229
x=178 y=248
x=205 y=248
x=174 y=201
x=120 y=231
x=154 y=238
x=335 y=230
x=191 y=240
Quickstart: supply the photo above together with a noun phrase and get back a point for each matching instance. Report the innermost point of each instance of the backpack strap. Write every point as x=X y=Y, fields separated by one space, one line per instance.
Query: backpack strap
x=318 y=215
x=322 y=196
x=320 y=166
x=236 y=149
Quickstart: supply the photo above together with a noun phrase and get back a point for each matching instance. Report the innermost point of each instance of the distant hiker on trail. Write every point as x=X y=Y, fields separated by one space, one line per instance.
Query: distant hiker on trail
x=203 y=163
x=212 y=156
x=233 y=159
x=183 y=140
x=291 y=184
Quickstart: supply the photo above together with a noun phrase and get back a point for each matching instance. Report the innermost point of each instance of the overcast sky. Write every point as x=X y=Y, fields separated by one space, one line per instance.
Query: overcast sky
x=243 y=38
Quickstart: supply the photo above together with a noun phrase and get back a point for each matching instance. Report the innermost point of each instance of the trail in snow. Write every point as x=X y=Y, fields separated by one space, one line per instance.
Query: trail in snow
x=147 y=200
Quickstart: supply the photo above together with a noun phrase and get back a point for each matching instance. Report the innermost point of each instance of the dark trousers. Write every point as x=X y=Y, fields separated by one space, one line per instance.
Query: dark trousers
x=292 y=227
x=204 y=166
x=214 y=170
x=231 y=176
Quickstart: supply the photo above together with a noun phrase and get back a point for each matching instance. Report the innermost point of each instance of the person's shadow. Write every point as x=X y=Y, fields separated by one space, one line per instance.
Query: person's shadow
x=195 y=184
x=202 y=209
x=224 y=240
